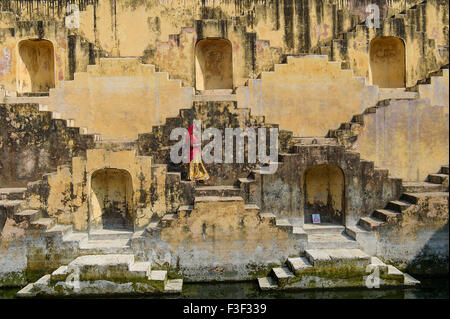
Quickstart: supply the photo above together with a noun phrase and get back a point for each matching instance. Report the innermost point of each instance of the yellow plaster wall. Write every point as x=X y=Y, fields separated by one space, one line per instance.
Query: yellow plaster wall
x=437 y=91
x=408 y=137
x=120 y=98
x=308 y=96
x=70 y=197
x=13 y=75
x=323 y=182
x=36 y=70
x=220 y=229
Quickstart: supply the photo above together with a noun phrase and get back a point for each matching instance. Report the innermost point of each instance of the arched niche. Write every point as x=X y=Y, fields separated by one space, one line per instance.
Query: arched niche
x=387 y=62
x=36 y=66
x=213 y=64
x=324 y=194
x=111 y=199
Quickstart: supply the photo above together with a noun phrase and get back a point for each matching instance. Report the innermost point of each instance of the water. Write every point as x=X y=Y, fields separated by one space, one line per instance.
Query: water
x=431 y=288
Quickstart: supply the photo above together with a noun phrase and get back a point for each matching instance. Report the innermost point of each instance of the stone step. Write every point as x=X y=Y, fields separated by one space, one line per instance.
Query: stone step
x=323 y=228
x=393 y=273
x=370 y=223
x=27 y=291
x=414 y=198
x=268 y=217
x=107 y=234
x=283 y=224
x=437 y=178
x=445 y=170
x=299 y=233
x=29 y=215
x=353 y=258
x=298 y=264
x=386 y=214
x=206 y=199
x=140 y=269
x=331 y=241
x=11 y=207
x=396 y=94
x=398 y=205
x=382 y=267
x=111 y=246
x=315 y=140
x=43 y=223
x=223 y=191
x=408 y=280
x=158 y=278
x=185 y=210
x=246 y=180
x=421 y=187
x=98 y=267
x=76 y=237
x=42 y=282
x=12 y=193
x=267 y=283
x=356 y=231
x=214 y=97
x=173 y=286
x=282 y=275
x=59 y=231
x=60 y=274
x=167 y=219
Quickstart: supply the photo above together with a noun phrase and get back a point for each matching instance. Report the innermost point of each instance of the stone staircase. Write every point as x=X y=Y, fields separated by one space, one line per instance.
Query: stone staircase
x=407 y=25
x=208 y=198
x=87 y=52
x=414 y=192
x=31 y=124
x=347 y=133
x=99 y=252
x=217 y=114
x=121 y=271
x=165 y=50
x=328 y=236
x=332 y=268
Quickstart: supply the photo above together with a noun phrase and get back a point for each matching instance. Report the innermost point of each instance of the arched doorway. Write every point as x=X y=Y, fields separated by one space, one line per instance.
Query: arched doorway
x=324 y=194
x=213 y=64
x=111 y=199
x=387 y=62
x=36 y=66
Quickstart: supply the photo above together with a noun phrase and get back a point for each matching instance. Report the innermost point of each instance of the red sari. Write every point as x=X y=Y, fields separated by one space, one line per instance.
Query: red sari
x=197 y=171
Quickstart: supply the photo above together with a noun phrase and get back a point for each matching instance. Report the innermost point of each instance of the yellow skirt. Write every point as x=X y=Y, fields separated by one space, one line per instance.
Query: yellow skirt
x=197 y=171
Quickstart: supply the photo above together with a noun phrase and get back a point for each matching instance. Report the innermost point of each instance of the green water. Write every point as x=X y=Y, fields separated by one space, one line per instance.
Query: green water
x=431 y=288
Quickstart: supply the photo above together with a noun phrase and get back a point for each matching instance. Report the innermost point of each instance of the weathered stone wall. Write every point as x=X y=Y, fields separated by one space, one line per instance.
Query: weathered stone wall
x=68 y=196
x=426 y=43
x=419 y=241
x=164 y=33
x=408 y=137
x=221 y=241
x=120 y=98
x=11 y=76
x=308 y=95
x=365 y=188
x=32 y=143
x=437 y=91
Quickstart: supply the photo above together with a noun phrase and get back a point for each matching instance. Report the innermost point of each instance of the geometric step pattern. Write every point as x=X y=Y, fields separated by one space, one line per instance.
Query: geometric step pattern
x=413 y=192
x=314 y=270
x=117 y=269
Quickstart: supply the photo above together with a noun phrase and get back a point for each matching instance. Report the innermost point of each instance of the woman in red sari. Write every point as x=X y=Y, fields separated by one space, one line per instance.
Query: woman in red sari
x=197 y=171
